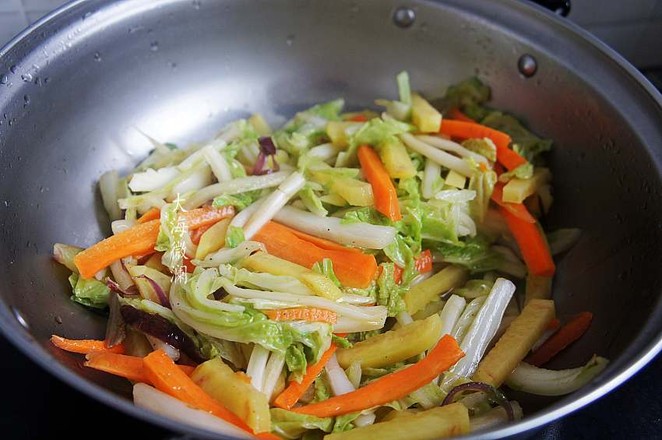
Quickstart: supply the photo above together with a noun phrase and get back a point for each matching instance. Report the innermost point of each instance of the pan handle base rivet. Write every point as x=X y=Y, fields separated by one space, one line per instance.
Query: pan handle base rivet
x=527 y=65
x=404 y=17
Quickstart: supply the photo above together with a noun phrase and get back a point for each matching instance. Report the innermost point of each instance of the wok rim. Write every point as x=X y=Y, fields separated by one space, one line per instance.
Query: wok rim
x=18 y=337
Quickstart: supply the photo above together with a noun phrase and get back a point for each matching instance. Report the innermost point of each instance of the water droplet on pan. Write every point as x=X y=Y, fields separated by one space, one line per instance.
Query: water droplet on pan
x=404 y=17
x=527 y=65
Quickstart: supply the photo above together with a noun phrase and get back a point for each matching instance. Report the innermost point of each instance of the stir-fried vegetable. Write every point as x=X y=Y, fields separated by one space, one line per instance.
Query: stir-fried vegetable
x=347 y=275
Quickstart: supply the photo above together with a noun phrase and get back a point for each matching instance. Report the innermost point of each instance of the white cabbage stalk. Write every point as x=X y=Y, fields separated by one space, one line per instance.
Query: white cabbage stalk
x=197 y=178
x=431 y=175
x=484 y=327
x=441 y=157
x=324 y=152
x=158 y=344
x=148 y=397
x=219 y=165
x=362 y=235
x=338 y=380
x=118 y=226
x=404 y=318
x=265 y=281
x=151 y=179
x=198 y=296
x=341 y=384
x=450 y=314
x=272 y=372
x=357 y=300
x=235 y=186
x=453 y=147
x=120 y=275
x=545 y=382
x=371 y=314
x=257 y=365
x=230 y=255
x=242 y=218
x=351 y=325
x=108 y=185
x=467 y=317
x=273 y=203
x=144 y=202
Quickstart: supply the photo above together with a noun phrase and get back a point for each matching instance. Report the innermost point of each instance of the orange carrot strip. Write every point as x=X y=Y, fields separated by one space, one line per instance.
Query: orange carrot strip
x=383 y=190
x=517 y=209
x=164 y=375
x=471 y=130
x=129 y=367
x=353 y=269
x=196 y=234
x=84 y=346
x=207 y=216
x=358 y=118
x=566 y=335
x=140 y=239
x=311 y=314
x=422 y=263
x=152 y=214
x=456 y=113
x=532 y=244
x=321 y=242
x=391 y=387
x=137 y=240
x=295 y=390
x=554 y=324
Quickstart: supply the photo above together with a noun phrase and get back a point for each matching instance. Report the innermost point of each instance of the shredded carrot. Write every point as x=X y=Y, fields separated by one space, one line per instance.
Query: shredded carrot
x=422 y=263
x=392 y=386
x=196 y=234
x=517 y=209
x=311 y=314
x=532 y=244
x=321 y=242
x=383 y=190
x=164 y=375
x=295 y=390
x=456 y=113
x=152 y=214
x=353 y=269
x=207 y=216
x=470 y=130
x=358 y=118
x=129 y=367
x=569 y=333
x=554 y=324
x=139 y=239
x=84 y=346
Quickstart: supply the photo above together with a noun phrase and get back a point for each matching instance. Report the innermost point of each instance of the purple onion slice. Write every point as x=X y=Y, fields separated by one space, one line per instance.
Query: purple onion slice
x=163 y=298
x=116 y=327
x=493 y=394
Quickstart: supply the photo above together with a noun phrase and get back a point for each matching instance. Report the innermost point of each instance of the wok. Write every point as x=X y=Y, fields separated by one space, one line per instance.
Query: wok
x=76 y=85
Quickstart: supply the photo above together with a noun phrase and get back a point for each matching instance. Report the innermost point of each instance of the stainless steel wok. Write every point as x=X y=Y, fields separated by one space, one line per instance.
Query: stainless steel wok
x=75 y=87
